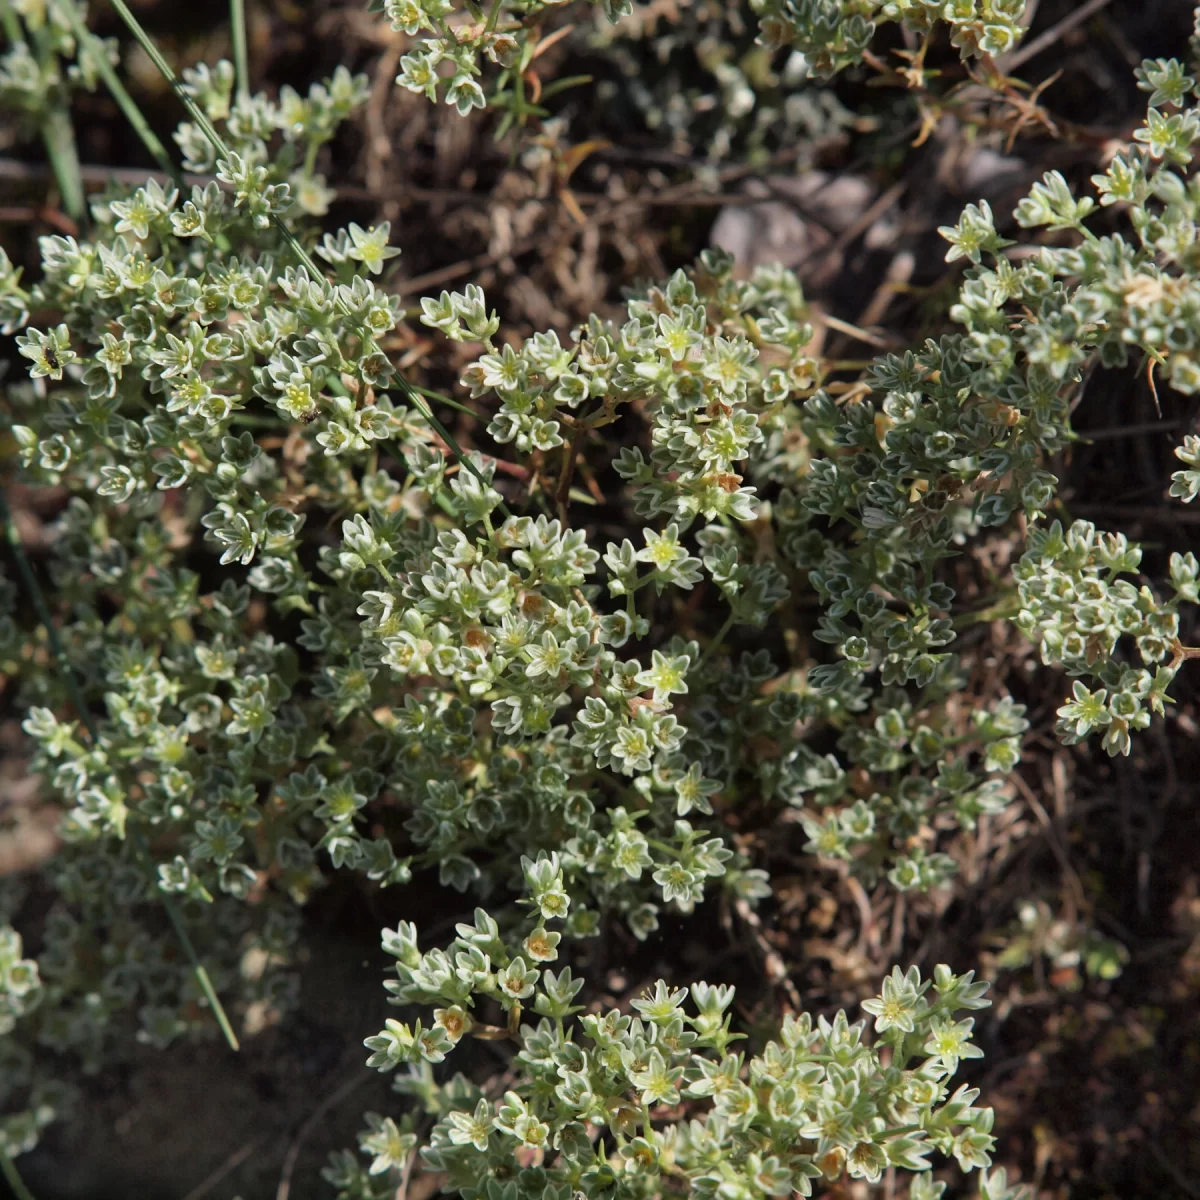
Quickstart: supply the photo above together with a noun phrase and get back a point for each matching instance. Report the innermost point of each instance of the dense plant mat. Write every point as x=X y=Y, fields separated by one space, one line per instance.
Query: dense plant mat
x=657 y=533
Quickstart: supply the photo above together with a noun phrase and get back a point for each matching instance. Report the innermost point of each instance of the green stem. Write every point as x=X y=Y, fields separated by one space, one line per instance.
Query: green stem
x=57 y=131
x=645 y=580
x=446 y=436
x=59 y=137
x=441 y=398
x=1005 y=609
x=56 y=128
x=12 y=1177
x=125 y=102
x=68 y=677
x=209 y=130
x=310 y=156
x=897 y=1131
x=241 y=57
x=147 y=43
x=198 y=969
x=256 y=421
x=712 y=646
x=561 y=85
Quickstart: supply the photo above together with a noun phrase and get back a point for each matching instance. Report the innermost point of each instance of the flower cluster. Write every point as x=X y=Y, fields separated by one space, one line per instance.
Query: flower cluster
x=273 y=178
x=1097 y=301
x=454 y=41
x=832 y=35
x=43 y=62
x=461 y=37
x=1076 y=609
x=19 y=981
x=627 y=1104
x=28 y=1100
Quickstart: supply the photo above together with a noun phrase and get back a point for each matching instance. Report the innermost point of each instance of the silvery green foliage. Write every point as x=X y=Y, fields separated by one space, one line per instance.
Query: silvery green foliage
x=27 y=1104
x=630 y=1105
x=1076 y=608
x=1098 y=300
x=713 y=93
x=1071 y=949
x=833 y=34
x=464 y=693
x=268 y=179
x=718 y=369
x=442 y=643
x=830 y=34
x=40 y=68
x=479 y=682
x=166 y=316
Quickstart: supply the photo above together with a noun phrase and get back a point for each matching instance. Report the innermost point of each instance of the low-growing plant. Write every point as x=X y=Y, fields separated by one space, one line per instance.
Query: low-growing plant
x=292 y=628
x=1072 y=950
x=714 y=92
x=818 y=1103
x=460 y=45
x=835 y=34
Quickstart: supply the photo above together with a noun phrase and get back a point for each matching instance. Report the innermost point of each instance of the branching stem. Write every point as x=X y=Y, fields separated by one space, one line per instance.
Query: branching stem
x=714 y=645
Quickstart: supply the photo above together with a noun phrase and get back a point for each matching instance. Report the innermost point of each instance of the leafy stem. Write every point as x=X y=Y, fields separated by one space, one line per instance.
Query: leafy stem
x=67 y=675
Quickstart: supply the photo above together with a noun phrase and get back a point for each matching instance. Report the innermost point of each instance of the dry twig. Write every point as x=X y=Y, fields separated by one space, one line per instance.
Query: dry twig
x=1044 y=41
x=227 y=1168
x=335 y=1098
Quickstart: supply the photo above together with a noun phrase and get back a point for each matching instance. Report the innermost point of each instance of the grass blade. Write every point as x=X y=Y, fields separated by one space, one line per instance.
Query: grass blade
x=125 y=102
x=241 y=56
x=58 y=134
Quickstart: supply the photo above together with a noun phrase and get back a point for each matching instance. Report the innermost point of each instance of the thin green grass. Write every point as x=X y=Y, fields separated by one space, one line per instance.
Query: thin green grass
x=58 y=134
x=241 y=54
x=125 y=102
